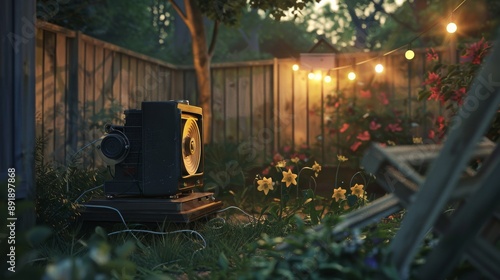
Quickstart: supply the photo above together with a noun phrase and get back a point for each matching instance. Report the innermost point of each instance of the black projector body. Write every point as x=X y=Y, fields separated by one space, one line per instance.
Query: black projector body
x=157 y=153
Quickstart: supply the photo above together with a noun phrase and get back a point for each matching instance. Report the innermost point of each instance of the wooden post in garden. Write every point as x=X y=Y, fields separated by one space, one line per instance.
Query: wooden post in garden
x=17 y=102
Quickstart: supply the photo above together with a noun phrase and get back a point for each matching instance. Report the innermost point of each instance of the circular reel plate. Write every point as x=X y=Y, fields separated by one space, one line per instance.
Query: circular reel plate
x=191 y=146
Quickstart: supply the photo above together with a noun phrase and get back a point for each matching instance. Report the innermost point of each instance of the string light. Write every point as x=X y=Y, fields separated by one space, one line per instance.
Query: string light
x=328 y=78
x=451 y=27
x=295 y=67
x=310 y=75
x=409 y=54
x=351 y=76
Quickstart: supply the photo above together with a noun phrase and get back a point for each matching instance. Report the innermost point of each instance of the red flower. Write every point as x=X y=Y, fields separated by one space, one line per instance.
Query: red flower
x=365 y=93
x=458 y=95
x=364 y=136
x=277 y=157
x=344 y=127
x=355 y=146
x=287 y=149
x=431 y=55
x=475 y=52
x=383 y=98
x=265 y=171
x=440 y=123
x=394 y=127
x=431 y=134
x=436 y=94
x=374 y=125
x=432 y=78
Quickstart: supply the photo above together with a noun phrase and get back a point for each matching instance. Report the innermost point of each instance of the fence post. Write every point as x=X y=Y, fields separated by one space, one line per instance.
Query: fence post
x=17 y=106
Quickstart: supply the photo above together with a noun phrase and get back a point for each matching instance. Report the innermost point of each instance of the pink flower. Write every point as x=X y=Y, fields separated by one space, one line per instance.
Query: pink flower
x=432 y=78
x=265 y=171
x=287 y=149
x=394 y=127
x=344 y=127
x=382 y=144
x=374 y=125
x=431 y=55
x=431 y=134
x=355 y=146
x=458 y=95
x=364 y=136
x=436 y=94
x=365 y=93
x=383 y=98
x=440 y=123
x=475 y=52
x=277 y=157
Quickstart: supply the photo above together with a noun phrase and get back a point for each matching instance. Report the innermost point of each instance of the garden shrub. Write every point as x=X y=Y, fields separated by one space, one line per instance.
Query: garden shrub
x=448 y=84
x=58 y=187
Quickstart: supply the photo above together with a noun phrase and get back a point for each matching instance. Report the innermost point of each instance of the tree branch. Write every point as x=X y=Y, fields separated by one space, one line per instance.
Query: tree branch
x=179 y=11
x=215 y=31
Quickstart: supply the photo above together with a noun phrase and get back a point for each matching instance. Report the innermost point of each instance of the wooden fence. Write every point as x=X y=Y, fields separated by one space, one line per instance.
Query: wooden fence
x=83 y=83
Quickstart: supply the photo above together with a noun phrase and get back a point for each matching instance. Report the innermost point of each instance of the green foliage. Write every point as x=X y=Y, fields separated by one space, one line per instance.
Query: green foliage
x=58 y=188
x=226 y=169
x=314 y=253
x=97 y=259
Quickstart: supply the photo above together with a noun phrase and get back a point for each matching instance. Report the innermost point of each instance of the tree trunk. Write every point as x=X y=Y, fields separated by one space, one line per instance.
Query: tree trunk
x=201 y=62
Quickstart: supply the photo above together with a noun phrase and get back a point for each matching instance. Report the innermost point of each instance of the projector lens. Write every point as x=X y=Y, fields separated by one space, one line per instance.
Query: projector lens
x=114 y=146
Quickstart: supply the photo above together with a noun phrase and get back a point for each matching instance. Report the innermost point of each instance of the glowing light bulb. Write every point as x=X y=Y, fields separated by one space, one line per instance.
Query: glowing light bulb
x=451 y=27
x=351 y=76
x=409 y=54
x=327 y=79
x=310 y=75
x=295 y=67
x=379 y=68
x=318 y=76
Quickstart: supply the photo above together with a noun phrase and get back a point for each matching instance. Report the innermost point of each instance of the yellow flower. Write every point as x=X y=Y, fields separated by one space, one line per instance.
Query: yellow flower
x=338 y=194
x=289 y=178
x=391 y=143
x=281 y=163
x=317 y=168
x=417 y=140
x=265 y=185
x=341 y=158
x=358 y=191
x=295 y=159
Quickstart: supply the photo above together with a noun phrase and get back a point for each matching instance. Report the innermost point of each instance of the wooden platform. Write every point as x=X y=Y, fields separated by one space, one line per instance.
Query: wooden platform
x=184 y=209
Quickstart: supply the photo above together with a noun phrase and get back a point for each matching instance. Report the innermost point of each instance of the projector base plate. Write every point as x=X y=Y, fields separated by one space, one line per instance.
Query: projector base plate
x=184 y=209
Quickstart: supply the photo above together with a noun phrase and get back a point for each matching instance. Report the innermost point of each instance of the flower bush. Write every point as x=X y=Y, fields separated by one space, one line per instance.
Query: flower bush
x=448 y=85
x=280 y=182
x=368 y=116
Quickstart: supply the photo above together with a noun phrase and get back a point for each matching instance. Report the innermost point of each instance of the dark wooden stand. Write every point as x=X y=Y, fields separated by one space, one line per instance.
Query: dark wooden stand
x=184 y=209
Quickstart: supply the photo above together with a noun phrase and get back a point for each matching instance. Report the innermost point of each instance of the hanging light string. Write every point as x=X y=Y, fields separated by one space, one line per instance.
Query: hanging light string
x=436 y=22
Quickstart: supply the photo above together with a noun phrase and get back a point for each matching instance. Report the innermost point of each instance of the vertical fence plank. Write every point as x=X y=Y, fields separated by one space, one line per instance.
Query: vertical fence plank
x=231 y=116
x=39 y=67
x=49 y=94
x=218 y=106
x=60 y=100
